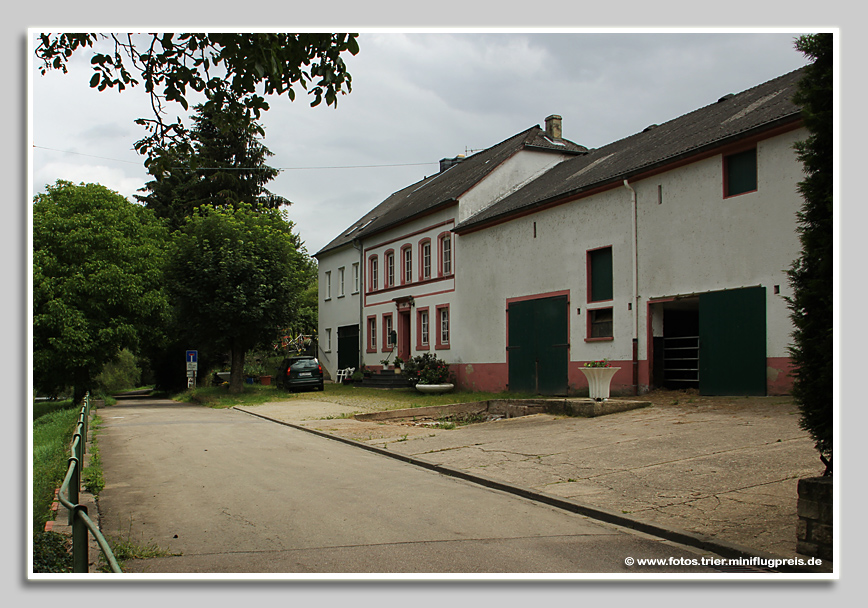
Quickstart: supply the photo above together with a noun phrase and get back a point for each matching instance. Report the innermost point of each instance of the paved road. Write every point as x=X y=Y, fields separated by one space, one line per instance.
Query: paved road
x=229 y=492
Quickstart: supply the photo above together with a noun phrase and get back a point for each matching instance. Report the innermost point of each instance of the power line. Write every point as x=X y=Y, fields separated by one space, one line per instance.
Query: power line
x=89 y=155
x=250 y=168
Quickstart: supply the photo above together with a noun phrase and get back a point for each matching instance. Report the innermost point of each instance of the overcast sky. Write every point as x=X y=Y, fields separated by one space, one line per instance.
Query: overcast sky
x=417 y=98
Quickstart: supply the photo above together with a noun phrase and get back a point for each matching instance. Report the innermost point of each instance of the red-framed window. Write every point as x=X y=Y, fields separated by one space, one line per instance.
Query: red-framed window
x=388 y=326
x=374 y=273
x=406 y=264
x=389 y=270
x=423 y=329
x=601 y=326
x=372 y=334
x=445 y=254
x=443 y=327
x=600 y=274
x=425 y=260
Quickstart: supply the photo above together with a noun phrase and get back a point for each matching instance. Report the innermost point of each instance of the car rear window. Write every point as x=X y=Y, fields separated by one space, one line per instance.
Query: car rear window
x=305 y=364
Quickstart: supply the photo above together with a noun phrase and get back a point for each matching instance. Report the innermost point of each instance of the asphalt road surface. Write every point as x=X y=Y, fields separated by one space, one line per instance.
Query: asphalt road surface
x=221 y=491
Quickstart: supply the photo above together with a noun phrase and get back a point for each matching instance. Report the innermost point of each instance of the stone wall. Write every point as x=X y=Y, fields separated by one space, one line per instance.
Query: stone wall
x=814 y=534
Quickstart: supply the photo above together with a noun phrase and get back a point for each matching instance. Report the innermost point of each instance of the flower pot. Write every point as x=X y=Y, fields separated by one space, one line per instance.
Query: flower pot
x=599 y=379
x=434 y=388
x=265 y=380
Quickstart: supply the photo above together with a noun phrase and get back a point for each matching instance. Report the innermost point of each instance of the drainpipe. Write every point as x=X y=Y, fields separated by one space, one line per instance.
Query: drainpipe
x=361 y=295
x=635 y=303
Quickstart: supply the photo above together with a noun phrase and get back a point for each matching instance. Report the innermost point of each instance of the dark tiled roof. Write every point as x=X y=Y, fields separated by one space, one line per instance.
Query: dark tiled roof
x=447 y=186
x=732 y=117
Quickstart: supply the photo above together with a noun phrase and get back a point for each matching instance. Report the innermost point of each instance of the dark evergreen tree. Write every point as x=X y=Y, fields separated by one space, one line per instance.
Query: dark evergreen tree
x=225 y=167
x=811 y=275
x=169 y=194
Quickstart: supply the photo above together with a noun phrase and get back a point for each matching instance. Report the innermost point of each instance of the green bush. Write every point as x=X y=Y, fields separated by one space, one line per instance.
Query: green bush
x=427 y=369
x=51 y=553
x=121 y=374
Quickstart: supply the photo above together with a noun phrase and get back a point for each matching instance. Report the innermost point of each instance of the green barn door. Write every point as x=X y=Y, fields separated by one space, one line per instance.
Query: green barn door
x=732 y=342
x=538 y=346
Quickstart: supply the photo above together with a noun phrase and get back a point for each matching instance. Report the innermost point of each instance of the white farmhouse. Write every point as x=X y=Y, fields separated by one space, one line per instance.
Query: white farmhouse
x=665 y=253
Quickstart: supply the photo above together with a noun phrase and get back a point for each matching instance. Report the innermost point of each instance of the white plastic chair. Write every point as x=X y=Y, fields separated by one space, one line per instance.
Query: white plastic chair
x=343 y=374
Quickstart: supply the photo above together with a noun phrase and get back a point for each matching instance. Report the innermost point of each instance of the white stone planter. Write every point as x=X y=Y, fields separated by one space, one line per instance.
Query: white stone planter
x=434 y=388
x=599 y=379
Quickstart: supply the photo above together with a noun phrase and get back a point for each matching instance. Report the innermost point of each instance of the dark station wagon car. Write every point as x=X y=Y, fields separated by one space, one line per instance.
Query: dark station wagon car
x=300 y=372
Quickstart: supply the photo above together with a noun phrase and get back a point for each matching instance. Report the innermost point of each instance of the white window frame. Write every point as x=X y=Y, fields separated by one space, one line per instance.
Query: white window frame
x=408 y=264
x=328 y=285
x=356 y=277
x=446 y=255
x=426 y=260
x=390 y=269
x=341 y=292
x=443 y=325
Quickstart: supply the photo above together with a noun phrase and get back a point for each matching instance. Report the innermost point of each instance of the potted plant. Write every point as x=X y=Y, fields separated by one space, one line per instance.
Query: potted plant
x=398 y=363
x=599 y=375
x=429 y=374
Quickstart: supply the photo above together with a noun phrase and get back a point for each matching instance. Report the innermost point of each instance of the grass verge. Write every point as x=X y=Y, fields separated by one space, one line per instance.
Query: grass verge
x=341 y=394
x=53 y=425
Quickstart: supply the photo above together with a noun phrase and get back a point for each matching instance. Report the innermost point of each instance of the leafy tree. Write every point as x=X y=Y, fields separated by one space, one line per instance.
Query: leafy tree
x=231 y=69
x=811 y=275
x=226 y=167
x=97 y=283
x=236 y=276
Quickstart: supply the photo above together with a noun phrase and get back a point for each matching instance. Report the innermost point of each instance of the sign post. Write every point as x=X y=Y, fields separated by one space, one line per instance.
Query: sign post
x=192 y=359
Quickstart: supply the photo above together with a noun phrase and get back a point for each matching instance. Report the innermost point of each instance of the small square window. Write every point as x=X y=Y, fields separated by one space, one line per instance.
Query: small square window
x=600 y=323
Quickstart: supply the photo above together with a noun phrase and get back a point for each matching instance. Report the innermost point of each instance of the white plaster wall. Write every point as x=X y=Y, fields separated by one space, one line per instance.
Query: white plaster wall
x=697 y=241
x=509 y=176
x=506 y=261
x=694 y=241
x=336 y=311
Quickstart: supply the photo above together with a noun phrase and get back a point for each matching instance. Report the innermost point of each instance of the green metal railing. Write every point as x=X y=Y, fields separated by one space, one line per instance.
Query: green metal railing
x=68 y=496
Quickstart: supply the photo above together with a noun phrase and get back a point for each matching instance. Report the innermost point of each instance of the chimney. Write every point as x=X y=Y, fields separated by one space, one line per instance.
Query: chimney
x=445 y=163
x=553 y=127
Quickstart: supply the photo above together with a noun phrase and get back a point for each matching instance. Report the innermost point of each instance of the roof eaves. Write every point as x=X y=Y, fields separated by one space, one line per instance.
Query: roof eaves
x=476 y=223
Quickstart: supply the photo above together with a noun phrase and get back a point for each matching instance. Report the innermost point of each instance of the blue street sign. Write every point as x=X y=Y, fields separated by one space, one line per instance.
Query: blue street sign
x=192 y=356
